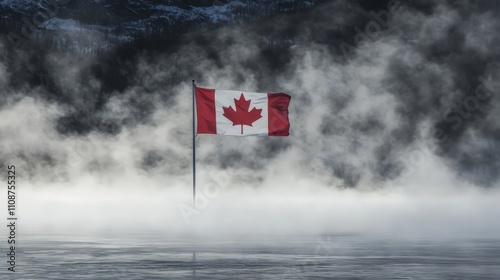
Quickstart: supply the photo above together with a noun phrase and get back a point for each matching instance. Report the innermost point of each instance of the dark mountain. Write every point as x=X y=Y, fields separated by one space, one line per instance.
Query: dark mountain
x=123 y=21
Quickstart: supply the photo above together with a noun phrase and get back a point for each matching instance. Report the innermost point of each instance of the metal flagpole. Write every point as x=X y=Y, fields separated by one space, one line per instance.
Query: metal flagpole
x=194 y=167
x=194 y=145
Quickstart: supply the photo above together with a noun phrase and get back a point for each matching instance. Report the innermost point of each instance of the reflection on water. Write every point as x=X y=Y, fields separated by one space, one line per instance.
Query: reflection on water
x=246 y=257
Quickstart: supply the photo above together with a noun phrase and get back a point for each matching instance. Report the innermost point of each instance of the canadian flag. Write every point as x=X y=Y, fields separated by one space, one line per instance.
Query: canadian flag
x=240 y=113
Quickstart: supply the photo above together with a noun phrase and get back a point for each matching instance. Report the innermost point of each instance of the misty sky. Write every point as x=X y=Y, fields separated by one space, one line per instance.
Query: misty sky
x=394 y=124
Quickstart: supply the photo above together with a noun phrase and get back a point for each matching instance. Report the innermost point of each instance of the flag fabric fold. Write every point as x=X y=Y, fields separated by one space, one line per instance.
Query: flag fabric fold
x=240 y=113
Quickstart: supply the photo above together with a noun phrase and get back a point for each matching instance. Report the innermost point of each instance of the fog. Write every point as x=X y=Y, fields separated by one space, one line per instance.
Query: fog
x=377 y=145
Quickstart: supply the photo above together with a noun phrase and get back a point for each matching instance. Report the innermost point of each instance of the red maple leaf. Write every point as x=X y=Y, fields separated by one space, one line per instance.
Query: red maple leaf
x=241 y=116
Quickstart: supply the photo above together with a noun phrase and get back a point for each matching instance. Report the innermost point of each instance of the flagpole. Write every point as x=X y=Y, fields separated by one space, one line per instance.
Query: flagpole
x=194 y=145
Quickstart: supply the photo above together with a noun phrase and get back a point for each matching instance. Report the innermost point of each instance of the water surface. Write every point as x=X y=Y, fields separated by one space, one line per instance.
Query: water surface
x=255 y=257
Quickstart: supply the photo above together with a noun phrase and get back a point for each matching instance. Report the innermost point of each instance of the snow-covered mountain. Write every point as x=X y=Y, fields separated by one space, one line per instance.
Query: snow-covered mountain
x=123 y=20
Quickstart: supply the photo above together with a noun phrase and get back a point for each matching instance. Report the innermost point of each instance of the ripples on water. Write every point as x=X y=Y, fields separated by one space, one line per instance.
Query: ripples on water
x=272 y=257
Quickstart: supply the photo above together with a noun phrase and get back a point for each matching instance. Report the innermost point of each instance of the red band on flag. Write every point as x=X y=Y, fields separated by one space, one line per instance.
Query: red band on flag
x=278 y=114
x=205 y=109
